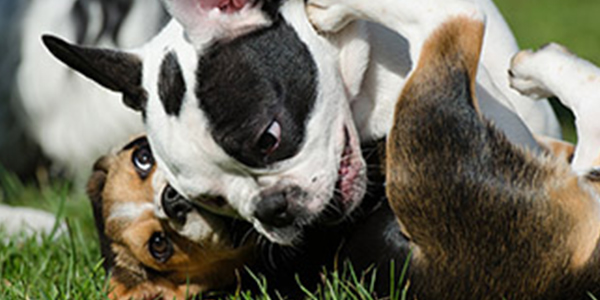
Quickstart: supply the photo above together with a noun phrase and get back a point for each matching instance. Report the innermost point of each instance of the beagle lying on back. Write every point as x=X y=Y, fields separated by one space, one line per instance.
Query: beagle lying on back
x=146 y=258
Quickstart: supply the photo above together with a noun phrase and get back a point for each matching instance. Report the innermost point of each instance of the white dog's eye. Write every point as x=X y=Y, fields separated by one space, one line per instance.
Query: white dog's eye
x=269 y=140
x=143 y=161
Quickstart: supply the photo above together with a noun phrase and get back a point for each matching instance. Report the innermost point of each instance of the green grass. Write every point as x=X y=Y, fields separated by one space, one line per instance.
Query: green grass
x=51 y=267
x=69 y=267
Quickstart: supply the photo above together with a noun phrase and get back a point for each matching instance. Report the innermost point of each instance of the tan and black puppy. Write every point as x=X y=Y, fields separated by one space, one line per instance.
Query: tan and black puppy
x=146 y=258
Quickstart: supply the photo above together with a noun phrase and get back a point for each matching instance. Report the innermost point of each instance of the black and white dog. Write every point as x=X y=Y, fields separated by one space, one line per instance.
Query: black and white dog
x=245 y=103
x=241 y=109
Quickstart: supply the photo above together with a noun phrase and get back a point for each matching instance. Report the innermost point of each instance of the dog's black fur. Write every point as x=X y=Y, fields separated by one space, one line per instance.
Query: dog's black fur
x=171 y=86
x=114 y=13
x=248 y=83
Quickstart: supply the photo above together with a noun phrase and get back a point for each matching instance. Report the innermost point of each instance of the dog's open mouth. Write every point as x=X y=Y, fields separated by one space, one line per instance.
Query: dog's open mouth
x=350 y=186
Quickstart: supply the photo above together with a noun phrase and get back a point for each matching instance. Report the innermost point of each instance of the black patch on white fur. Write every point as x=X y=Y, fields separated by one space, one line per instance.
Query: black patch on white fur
x=113 y=13
x=245 y=84
x=81 y=17
x=171 y=85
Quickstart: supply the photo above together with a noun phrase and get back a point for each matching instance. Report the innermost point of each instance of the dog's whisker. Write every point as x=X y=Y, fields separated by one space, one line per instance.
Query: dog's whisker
x=271 y=256
x=246 y=236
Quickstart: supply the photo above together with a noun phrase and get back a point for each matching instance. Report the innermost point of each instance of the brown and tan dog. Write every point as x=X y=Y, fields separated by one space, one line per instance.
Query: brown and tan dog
x=146 y=258
x=486 y=219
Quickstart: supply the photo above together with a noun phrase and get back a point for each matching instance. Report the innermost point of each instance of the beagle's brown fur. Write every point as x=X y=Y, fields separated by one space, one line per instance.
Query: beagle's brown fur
x=486 y=219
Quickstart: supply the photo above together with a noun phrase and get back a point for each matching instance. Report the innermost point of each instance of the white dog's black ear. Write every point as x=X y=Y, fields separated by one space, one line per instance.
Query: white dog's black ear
x=115 y=70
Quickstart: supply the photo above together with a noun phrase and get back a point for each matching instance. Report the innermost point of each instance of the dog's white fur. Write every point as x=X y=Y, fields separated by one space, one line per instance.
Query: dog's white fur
x=555 y=71
x=373 y=105
x=72 y=119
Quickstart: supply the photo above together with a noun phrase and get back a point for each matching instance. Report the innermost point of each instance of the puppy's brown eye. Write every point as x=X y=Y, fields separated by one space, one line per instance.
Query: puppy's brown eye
x=269 y=140
x=143 y=161
x=160 y=247
x=593 y=175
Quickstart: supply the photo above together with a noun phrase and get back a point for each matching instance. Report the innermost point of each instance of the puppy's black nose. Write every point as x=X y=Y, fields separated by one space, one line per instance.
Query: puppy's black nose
x=274 y=210
x=175 y=206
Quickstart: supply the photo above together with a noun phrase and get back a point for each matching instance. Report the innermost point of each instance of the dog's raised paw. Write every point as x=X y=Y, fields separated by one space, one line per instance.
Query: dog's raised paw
x=525 y=76
x=329 y=16
x=529 y=68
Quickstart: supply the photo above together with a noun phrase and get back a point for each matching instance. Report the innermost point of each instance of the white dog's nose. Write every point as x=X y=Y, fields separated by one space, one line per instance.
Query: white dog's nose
x=276 y=208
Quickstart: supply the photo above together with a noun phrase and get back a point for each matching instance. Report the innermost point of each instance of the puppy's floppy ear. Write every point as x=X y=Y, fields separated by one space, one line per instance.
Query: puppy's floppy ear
x=95 y=186
x=115 y=70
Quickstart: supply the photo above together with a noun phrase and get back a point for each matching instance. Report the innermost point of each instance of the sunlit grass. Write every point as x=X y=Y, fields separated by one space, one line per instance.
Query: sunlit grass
x=65 y=266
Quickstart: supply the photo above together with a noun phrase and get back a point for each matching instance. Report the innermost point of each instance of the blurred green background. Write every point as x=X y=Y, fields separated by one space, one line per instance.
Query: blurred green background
x=573 y=23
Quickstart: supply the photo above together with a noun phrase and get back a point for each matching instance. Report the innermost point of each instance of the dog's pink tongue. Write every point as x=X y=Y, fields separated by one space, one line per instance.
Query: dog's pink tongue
x=227 y=6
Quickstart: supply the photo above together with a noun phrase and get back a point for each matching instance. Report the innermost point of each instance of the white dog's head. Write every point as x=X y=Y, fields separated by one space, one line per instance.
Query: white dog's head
x=242 y=101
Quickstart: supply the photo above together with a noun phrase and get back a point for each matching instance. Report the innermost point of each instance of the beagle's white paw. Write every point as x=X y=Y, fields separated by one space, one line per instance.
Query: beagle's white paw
x=529 y=69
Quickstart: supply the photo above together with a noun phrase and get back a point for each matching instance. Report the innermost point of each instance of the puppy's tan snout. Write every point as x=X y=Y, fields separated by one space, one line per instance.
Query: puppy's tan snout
x=276 y=207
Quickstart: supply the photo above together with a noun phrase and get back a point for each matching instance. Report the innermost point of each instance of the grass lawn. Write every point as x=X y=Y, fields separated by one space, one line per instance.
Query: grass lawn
x=69 y=267
x=66 y=267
